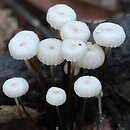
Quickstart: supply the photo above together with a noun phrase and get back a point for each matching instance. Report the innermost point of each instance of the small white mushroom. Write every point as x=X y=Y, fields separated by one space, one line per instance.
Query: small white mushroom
x=87 y=86
x=15 y=87
x=109 y=35
x=93 y=58
x=73 y=50
x=23 y=45
x=49 y=51
x=75 y=30
x=56 y=96
x=59 y=15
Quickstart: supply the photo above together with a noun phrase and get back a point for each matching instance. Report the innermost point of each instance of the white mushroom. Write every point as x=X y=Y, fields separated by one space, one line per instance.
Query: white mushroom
x=59 y=15
x=109 y=35
x=87 y=86
x=15 y=87
x=49 y=51
x=93 y=58
x=73 y=50
x=75 y=30
x=56 y=96
x=23 y=45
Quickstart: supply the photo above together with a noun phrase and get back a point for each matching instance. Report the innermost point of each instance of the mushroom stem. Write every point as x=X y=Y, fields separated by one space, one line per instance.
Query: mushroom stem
x=100 y=112
x=17 y=102
x=52 y=74
x=68 y=74
x=107 y=55
x=35 y=65
x=83 y=113
x=59 y=117
x=19 y=111
x=71 y=78
x=71 y=98
x=28 y=116
x=34 y=75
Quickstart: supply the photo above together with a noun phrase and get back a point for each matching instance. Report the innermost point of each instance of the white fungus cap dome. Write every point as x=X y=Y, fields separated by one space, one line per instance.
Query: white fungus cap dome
x=49 y=51
x=87 y=86
x=56 y=96
x=23 y=47
x=76 y=68
x=93 y=58
x=75 y=30
x=15 y=87
x=59 y=15
x=73 y=50
x=30 y=34
x=109 y=35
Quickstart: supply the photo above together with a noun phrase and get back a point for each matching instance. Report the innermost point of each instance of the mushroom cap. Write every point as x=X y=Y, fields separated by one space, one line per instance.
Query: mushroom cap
x=59 y=15
x=76 y=68
x=23 y=46
x=87 y=86
x=93 y=58
x=75 y=30
x=73 y=50
x=49 y=51
x=55 y=96
x=109 y=35
x=30 y=34
x=15 y=87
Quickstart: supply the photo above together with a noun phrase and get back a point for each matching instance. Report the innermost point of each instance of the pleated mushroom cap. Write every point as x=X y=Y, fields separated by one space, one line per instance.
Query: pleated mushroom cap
x=59 y=15
x=93 y=58
x=87 y=86
x=49 y=51
x=24 y=45
x=56 y=96
x=75 y=30
x=109 y=35
x=15 y=87
x=73 y=50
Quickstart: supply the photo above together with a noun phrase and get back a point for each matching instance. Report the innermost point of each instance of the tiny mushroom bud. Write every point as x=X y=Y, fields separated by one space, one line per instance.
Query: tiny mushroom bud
x=59 y=15
x=73 y=50
x=87 y=86
x=76 y=70
x=93 y=58
x=15 y=87
x=24 y=45
x=109 y=35
x=75 y=30
x=56 y=96
x=49 y=51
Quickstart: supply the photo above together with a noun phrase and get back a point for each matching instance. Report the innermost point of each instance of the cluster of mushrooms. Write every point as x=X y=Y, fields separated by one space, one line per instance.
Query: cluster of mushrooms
x=73 y=50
